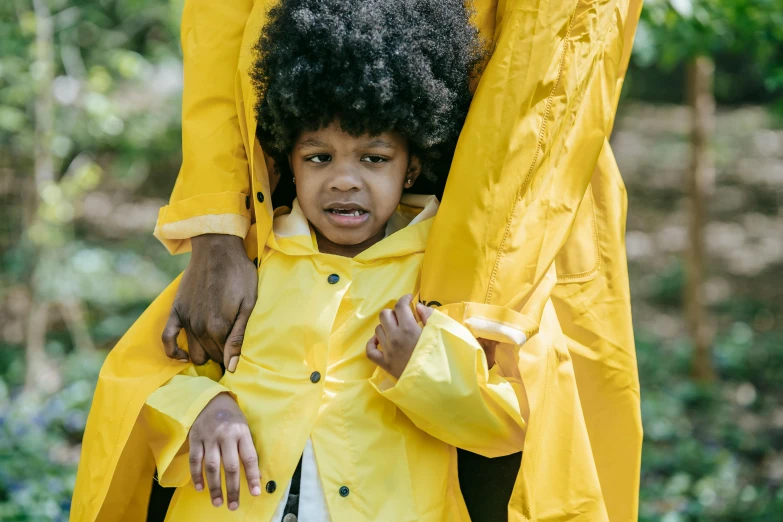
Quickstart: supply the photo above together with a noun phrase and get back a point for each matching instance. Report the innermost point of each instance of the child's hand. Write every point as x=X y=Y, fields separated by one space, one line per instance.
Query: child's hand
x=397 y=336
x=221 y=431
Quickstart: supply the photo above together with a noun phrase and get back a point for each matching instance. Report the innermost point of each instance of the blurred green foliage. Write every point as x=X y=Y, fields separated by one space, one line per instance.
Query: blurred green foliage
x=744 y=37
x=85 y=235
x=711 y=453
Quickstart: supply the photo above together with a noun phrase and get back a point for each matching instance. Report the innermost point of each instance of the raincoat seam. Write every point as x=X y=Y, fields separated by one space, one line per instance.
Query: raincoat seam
x=539 y=143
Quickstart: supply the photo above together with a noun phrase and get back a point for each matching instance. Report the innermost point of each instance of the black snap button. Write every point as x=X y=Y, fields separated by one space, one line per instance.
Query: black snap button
x=315 y=377
x=333 y=278
x=344 y=491
x=255 y=262
x=260 y=197
x=271 y=486
x=247 y=202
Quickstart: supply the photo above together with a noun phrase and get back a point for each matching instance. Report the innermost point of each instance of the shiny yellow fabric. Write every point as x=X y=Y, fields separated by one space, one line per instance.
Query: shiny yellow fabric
x=390 y=442
x=520 y=183
x=538 y=123
x=594 y=307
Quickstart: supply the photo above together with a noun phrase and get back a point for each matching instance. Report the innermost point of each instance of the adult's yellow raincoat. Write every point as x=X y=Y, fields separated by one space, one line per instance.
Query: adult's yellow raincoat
x=532 y=220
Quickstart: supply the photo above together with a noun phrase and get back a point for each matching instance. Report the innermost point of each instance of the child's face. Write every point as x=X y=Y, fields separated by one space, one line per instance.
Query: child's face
x=348 y=187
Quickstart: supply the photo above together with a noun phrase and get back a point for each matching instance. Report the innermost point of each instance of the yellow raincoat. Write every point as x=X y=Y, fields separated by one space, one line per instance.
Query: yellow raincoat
x=303 y=374
x=522 y=233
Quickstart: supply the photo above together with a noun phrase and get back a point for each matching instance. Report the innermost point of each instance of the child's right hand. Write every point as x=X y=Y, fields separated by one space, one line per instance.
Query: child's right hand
x=221 y=431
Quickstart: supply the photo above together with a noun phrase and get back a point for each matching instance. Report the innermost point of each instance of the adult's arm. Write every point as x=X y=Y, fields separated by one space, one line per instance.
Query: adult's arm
x=210 y=210
x=211 y=193
x=539 y=119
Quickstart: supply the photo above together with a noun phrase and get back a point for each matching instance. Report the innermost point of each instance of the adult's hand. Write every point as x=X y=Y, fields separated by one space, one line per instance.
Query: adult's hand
x=214 y=301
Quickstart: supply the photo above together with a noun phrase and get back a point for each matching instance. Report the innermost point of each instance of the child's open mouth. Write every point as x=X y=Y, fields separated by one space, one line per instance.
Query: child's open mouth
x=347 y=216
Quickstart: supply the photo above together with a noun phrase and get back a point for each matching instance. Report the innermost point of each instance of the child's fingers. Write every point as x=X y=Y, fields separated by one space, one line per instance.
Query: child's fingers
x=374 y=354
x=196 y=462
x=388 y=320
x=381 y=338
x=212 y=467
x=247 y=452
x=404 y=314
x=424 y=312
x=229 y=453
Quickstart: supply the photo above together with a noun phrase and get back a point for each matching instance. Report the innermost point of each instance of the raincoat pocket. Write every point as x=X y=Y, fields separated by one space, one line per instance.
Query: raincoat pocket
x=579 y=260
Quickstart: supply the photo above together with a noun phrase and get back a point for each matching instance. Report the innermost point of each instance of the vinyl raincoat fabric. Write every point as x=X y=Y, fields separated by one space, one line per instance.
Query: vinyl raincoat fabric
x=303 y=374
x=532 y=223
x=542 y=225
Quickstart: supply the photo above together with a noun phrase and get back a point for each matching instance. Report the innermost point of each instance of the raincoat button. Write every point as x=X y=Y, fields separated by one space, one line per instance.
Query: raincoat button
x=247 y=202
x=344 y=491
x=333 y=279
x=271 y=486
x=260 y=197
x=315 y=377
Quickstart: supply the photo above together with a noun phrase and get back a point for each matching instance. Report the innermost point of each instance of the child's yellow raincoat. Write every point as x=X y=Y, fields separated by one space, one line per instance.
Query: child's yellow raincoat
x=532 y=221
x=384 y=447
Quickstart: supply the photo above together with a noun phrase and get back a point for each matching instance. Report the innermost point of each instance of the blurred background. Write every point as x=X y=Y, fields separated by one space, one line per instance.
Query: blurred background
x=89 y=150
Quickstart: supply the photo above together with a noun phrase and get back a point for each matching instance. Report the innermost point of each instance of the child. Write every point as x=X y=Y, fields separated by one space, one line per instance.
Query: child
x=342 y=406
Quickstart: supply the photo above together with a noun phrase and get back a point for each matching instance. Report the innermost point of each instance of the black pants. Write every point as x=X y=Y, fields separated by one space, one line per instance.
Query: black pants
x=486 y=485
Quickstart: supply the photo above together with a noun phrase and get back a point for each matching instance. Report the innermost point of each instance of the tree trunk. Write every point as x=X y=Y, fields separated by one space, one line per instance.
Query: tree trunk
x=73 y=314
x=39 y=372
x=700 y=184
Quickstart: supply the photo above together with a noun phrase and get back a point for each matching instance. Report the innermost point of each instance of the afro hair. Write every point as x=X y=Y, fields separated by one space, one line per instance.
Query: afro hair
x=372 y=65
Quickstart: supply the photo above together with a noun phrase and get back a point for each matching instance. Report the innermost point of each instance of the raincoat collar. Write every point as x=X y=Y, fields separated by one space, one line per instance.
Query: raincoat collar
x=406 y=231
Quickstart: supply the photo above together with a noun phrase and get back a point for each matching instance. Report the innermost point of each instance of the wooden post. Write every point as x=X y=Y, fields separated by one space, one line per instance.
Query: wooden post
x=700 y=184
x=36 y=363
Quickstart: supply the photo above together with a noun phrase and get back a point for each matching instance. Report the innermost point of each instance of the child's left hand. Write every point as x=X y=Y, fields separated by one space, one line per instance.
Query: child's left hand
x=397 y=336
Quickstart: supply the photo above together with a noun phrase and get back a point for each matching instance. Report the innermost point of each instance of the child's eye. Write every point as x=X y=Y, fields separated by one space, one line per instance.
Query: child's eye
x=374 y=159
x=319 y=158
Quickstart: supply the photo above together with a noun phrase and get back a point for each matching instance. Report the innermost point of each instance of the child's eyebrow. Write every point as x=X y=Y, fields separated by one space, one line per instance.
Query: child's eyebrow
x=312 y=142
x=379 y=143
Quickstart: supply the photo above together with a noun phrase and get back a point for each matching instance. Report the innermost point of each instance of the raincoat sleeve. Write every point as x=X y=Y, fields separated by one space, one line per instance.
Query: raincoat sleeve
x=448 y=391
x=541 y=115
x=169 y=413
x=539 y=118
x=212 y=188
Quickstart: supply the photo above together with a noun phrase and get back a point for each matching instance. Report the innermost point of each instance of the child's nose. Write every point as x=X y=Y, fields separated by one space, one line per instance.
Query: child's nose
x=346 y=179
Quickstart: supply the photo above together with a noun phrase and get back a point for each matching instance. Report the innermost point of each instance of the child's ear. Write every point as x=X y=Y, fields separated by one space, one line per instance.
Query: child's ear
x=291 y=167
x=414 y=169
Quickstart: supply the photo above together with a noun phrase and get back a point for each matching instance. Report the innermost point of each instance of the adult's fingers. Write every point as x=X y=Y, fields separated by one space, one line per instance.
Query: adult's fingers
x=212 y=467
x=169 y=337
x=235 y=337
x=249 y=457
x=229 y=453
x=196 y=461
x=403 y=312
x=214 y=348
x=197 y=352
